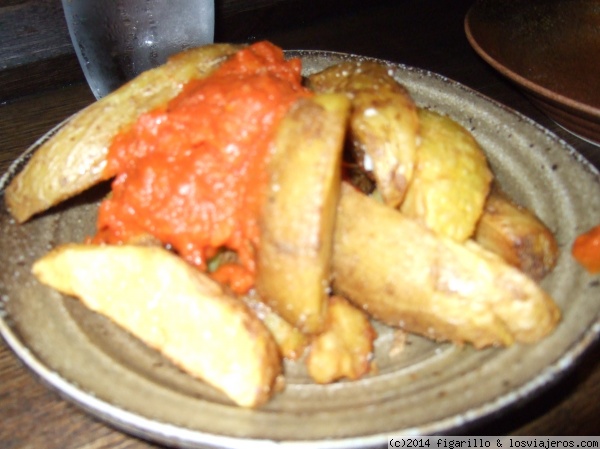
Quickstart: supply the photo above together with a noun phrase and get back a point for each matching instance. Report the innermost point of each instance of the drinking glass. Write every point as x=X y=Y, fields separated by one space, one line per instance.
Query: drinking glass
x=115 y=40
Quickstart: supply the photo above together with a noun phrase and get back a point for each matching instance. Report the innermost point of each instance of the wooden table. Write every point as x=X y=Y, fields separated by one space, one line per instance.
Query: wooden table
x=423 y=33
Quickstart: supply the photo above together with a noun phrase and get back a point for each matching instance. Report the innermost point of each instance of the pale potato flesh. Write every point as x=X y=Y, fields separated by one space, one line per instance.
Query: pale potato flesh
x=173 y=308
x=384 y=125
x=75 y=157
x=406 y=276
x=451 y=180
x=296 y=223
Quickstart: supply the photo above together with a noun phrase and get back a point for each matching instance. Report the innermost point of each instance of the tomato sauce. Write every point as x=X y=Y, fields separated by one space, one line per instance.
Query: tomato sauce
x=586 y=250
x=193 y=173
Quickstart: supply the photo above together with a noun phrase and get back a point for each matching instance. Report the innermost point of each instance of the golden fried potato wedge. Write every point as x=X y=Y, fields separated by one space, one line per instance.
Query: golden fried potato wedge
x=345 y=347
x=173 y=308
x=291 y=342
x=296 y=223
x=451 y=179
x=74 y=158
x=406 y=276
x=517 y=235
x=384 y=124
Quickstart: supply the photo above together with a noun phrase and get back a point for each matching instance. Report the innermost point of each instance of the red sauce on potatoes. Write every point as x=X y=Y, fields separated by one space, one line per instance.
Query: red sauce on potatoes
x=193 y=173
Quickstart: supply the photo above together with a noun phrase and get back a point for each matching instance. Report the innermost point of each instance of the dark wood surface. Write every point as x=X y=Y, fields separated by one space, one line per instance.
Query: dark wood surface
x=423 y=33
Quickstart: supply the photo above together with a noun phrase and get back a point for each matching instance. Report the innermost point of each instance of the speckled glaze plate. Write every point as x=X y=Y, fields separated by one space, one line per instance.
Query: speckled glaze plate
x=549 y=48
x=426 y=388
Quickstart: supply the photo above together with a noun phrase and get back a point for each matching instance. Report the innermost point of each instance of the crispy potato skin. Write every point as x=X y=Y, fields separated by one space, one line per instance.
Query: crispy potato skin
x=451 y=180
x=345 y=347
x=74 y=158
x=297 y=220
x=174 y=309
x=406 y=276
x=384 y=123
x=516 y=235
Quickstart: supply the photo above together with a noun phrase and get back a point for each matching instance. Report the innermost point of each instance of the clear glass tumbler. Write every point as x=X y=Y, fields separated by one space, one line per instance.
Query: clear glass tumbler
x=115 y=40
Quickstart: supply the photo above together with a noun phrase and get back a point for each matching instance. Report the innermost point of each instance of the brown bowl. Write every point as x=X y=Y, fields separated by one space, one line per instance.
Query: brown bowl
x=549 y=48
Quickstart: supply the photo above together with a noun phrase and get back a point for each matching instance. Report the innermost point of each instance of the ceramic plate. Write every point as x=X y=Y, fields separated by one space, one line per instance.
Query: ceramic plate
x=550 y=48
x=423 y=389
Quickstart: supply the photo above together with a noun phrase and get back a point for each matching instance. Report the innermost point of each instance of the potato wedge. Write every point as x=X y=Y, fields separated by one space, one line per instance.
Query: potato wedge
x=384 y=125
x=291 y=342
x=451 y=179
x=516 y=235
x=174 y=309
x=406 y=276
x=345 y=347
x=74 y=158
x=296 y=223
